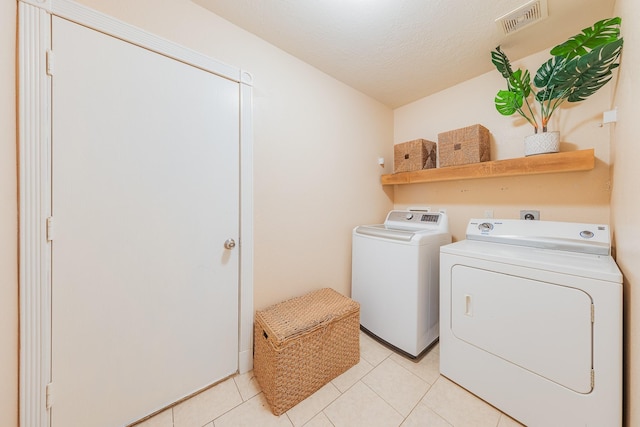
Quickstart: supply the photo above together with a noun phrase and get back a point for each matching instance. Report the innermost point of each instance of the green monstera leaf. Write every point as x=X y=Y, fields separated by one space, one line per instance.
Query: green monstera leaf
x=582 y=76
x=549 y=94
x=520 y=82
x=602 y=32
x=501 y=62
x=508 y=102
x=547 y=70
x=543 y=76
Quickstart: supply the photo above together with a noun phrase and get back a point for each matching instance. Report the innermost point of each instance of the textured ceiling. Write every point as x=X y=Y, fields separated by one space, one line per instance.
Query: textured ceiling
x=398 y=51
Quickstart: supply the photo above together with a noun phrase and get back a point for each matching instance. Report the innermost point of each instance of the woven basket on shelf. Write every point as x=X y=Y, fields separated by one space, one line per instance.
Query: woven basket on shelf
x=303 y=343
x=463 y=146
x=414 y=155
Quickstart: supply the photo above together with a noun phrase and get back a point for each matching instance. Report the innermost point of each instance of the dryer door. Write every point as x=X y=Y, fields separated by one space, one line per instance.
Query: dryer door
x=542 y=327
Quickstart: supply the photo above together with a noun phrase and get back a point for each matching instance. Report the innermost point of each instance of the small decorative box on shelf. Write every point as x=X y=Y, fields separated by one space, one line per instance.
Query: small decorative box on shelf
x=462 y=146
x=414 y=155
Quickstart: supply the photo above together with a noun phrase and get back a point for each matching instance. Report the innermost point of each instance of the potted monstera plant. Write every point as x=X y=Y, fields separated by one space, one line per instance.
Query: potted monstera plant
x=578 y=68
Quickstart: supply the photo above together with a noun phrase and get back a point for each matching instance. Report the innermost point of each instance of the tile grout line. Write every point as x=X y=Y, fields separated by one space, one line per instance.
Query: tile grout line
x=242 y=402
x=382 y=398
x=390 y=357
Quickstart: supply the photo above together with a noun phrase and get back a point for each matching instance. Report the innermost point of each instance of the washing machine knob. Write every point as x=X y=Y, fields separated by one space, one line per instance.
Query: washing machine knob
x=409 y=216
x=485 y=226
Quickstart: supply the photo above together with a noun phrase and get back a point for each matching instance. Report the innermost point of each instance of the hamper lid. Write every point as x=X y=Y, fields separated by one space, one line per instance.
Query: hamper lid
x=302 y=314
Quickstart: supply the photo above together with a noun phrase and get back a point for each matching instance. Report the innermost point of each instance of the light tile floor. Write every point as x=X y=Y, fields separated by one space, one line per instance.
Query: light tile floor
x=383 y=390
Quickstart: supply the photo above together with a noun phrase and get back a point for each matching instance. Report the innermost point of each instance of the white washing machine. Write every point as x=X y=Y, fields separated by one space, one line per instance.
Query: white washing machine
x=395 y=278
x=531 y=320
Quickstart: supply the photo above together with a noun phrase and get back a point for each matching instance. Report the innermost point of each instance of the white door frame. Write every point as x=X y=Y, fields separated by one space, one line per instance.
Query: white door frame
x=34 y=142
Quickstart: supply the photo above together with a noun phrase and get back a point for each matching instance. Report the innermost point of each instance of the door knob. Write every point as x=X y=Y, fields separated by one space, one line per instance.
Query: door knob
x=229 y=244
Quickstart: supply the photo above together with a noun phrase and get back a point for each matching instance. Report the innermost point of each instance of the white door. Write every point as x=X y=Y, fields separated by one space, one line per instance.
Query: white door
x=145 y=192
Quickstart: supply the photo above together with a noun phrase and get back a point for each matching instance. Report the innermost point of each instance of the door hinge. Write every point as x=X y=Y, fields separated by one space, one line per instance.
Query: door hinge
x=49 y=229
x=593 y=313
x=593 y=379
x=50 y=63
x=49 y=395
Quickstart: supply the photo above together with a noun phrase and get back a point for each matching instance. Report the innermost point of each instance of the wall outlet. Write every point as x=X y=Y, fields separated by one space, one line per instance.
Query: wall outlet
x=530 y=215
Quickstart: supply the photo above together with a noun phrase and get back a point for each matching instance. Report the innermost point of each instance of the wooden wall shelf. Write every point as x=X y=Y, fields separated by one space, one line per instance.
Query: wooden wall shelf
x=568 y=161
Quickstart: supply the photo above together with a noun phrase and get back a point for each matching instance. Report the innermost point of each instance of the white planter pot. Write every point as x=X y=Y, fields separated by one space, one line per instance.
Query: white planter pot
x=540 y=143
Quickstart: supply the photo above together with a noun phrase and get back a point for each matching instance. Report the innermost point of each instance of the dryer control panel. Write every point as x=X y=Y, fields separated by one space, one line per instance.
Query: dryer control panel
x=565 y=236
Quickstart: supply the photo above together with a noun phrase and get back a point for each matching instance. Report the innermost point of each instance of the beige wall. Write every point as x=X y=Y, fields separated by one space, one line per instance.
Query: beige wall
x=8 y=219
x=580 y=197
x=625 y=200
x=317 y=142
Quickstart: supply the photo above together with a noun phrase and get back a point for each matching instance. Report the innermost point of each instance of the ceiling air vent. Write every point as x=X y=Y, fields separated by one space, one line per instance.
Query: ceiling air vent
x=525 y=15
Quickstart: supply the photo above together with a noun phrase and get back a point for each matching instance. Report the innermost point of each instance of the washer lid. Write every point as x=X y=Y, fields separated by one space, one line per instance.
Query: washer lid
x=405 y=225
x=561 y=236
x=381 y=230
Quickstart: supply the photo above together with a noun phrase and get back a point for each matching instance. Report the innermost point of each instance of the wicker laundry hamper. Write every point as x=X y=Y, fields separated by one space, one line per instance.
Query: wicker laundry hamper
x=303 y=343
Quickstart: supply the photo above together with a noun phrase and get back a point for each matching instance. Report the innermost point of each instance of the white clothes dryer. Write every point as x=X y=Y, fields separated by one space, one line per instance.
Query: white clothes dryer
x=395 y=278
x=531 y=320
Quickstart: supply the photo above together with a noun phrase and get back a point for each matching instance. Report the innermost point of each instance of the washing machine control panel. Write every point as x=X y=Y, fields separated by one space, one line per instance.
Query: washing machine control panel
x=416 y=219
